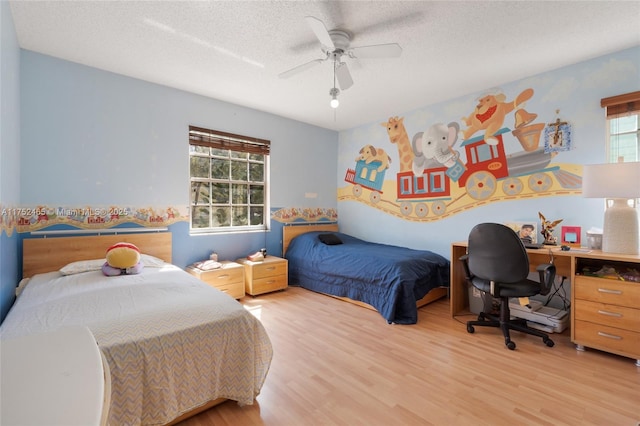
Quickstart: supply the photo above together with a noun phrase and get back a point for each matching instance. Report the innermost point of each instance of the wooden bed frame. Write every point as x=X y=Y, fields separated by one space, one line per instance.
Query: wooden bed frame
x=40 y=255
x=292 y=231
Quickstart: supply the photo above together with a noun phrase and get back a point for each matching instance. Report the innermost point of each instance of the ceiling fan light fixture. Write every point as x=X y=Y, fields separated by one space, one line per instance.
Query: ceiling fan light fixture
x=334 y=97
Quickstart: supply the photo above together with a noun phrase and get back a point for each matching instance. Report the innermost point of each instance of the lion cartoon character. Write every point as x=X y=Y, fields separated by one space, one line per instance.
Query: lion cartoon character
x=490 y=113
x=369 y=153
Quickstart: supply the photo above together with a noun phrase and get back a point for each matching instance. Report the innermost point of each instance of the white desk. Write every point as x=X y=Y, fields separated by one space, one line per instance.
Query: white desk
x=53 y=378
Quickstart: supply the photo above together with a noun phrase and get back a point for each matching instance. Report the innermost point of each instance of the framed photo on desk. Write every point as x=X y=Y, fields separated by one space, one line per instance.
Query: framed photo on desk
x=527 y=231
x=571 y=236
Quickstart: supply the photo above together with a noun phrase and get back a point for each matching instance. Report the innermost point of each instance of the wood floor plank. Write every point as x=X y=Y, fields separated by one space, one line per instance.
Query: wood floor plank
x=336 y=363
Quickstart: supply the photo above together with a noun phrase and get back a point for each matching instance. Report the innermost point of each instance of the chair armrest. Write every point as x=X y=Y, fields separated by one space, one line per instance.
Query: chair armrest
x=465 y=263
x=547 y=274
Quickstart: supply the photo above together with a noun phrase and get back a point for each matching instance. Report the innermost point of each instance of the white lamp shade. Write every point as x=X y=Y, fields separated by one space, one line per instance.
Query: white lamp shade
x=613 y=180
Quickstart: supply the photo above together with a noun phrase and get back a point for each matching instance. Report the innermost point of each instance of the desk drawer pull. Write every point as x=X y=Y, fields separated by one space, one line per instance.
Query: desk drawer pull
x=223 y=276
x=606 y=290
x=611 y=314
x=610 y=336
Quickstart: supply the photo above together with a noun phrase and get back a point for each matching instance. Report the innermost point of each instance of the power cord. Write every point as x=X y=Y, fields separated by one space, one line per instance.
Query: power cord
x=559 y=291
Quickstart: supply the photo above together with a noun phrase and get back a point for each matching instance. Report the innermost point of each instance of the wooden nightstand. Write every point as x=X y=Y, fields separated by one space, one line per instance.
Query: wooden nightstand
x=229 y=278
x=267 y=275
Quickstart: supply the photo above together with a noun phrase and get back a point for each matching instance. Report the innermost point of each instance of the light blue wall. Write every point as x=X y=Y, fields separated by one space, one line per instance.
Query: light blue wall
x=574 y=90
x=91 y=137
x=9 y=153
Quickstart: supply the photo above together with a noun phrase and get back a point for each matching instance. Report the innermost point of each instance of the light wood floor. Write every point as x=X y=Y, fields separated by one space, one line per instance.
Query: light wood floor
x=336 y=363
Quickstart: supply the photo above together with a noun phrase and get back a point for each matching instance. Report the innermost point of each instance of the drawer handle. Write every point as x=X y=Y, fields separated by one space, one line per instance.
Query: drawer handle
x=270 y=268
x=223 y=276
x=271 y=282
x=606 y=290
x=610 y=336
x=611 y=314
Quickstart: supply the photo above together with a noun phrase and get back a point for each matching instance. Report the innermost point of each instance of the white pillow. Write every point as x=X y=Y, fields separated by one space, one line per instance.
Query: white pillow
x=23 y=283
x=151 y=261
x=96 y=264
x=82 y=266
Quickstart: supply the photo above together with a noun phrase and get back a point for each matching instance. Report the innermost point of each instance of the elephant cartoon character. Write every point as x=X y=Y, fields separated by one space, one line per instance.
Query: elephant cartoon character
x=435 y=144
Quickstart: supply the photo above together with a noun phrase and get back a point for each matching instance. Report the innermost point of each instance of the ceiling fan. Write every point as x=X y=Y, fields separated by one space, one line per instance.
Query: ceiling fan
x=335 y=45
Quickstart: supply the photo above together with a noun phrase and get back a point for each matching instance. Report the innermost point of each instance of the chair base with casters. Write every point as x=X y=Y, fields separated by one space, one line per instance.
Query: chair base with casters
x=497 y=264
x=506 y=323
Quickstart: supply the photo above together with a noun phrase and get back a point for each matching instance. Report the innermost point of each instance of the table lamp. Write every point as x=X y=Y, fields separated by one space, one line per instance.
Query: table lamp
x=618 y=182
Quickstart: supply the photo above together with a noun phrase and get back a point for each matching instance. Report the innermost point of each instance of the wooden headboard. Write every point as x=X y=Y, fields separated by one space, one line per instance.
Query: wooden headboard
x=41 y=255
x=291 y=231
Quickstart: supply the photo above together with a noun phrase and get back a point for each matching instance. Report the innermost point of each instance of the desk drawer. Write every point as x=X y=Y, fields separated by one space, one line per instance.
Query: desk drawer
x=621 y=293
x=611 y=315
x=610 y=339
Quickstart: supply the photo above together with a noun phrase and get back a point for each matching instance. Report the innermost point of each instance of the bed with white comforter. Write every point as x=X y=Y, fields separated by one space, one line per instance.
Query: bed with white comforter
x=172 y=342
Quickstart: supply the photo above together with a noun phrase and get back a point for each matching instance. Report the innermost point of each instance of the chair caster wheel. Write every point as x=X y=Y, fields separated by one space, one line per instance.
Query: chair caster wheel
x=470 y=329
x=549 y=343
x=511 y=345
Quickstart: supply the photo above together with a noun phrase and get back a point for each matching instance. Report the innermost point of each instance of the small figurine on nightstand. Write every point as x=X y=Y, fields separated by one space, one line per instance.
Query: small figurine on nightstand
x=547 y=230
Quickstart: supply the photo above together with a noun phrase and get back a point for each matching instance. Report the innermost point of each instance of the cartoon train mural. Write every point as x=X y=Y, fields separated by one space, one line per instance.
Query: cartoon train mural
x=488 y=175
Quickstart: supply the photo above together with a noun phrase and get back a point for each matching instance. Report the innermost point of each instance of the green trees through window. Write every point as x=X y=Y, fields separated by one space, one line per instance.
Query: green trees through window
x=228 y=181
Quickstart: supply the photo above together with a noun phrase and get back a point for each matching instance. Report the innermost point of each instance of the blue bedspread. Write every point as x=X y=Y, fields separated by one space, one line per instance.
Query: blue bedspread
x=390 y=278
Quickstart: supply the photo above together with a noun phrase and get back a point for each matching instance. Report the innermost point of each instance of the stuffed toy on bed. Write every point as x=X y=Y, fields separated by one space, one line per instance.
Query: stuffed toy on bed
x=122 y=258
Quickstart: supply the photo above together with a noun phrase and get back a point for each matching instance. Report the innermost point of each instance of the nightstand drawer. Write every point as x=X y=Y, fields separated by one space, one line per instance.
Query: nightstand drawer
x=264 y=276
x=229 y=278
x=603 y=290
x=265 y=285
x=235 y=290
x=610 y=339
x=222 y=277
x=611 y=315
x=270 y=269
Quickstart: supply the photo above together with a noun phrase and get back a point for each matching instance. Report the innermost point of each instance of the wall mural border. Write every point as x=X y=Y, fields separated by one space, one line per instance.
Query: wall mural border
x=24 y=219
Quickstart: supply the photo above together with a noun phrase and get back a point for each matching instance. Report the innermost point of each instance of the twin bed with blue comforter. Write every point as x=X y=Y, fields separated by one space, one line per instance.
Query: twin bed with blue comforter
x=389 y=278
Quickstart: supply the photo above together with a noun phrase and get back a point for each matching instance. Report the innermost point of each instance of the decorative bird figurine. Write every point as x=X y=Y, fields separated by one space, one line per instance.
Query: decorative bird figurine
x=547 y=230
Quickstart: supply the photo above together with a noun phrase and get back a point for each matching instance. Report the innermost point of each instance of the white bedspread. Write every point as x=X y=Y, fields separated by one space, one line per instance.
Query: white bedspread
x=172 y=342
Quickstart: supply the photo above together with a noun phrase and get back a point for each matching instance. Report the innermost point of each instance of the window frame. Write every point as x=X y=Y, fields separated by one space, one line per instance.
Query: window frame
x=229 y=142
x=617 y=107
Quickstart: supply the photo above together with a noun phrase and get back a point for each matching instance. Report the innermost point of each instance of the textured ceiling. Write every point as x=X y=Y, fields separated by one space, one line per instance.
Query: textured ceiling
x=234 y=50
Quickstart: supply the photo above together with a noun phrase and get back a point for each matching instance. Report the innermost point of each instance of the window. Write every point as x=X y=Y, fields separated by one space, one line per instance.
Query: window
x=623 y=127
x=228 y=177
x=622 y=141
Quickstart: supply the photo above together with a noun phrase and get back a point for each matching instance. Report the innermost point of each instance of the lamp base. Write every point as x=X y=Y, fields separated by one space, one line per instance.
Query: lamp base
x=620 y=233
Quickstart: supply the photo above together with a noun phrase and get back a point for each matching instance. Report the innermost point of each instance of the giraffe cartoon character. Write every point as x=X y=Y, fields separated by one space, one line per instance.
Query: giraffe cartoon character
x=398 y=135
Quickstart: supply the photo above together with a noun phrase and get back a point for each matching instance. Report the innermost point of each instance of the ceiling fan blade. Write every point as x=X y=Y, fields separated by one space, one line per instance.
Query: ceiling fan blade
x=344 y=76
x=391 y=50
x=320 y=31
x=300 y=68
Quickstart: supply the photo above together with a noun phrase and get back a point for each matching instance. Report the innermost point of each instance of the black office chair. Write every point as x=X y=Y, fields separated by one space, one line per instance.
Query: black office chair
x=497 y=263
